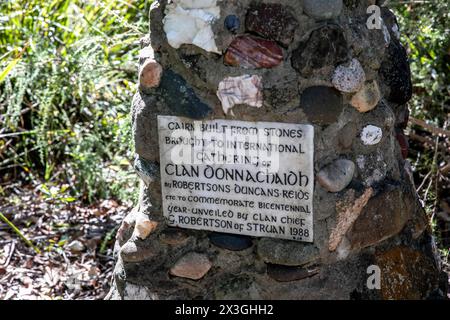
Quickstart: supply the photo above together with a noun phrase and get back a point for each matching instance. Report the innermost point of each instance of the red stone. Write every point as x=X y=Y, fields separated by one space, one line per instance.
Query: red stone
x=273 y=21
x=253 y=52
x=403 y=142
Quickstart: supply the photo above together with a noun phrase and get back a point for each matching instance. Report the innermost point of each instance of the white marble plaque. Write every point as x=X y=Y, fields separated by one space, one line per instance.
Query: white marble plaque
x=248 y=178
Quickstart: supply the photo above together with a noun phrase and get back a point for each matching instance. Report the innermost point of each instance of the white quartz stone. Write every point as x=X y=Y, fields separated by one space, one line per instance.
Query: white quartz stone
x=190 y=22
x=371 y=135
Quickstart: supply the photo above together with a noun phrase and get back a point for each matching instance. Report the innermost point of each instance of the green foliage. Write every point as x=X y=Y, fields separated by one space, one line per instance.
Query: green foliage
x=425 y=32
x=67 y=76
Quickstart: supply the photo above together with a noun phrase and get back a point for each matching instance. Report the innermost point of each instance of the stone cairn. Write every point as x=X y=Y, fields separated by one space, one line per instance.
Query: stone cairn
x=298 y=61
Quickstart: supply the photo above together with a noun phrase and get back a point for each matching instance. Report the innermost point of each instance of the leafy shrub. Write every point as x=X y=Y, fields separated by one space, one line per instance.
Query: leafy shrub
x=69 y=72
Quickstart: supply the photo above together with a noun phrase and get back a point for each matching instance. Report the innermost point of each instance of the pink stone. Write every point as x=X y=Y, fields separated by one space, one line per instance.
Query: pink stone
x=246 y=89
x=192 y=266
x=253 y=52
x=150 y=74
x=403 y=142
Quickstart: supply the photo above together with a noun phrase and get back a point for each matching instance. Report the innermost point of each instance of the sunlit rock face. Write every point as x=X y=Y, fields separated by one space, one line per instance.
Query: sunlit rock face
x=292 y=62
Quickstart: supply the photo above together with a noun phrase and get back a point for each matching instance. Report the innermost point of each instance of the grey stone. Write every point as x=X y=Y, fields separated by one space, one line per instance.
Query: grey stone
x=282 y=273
x=349 y=78
x=322 y=105
x=322 y=9
x=346 y=135
x=336 y=176
x=288 y=253
x=135 y=251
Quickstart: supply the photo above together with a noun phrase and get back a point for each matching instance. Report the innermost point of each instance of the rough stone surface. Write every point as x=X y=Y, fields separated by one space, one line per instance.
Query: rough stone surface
x=323 y=9
x=174 y=237
x=407 y=274
x=347 y=135
x=348 y=211
x=326 y=46
x=273 y=21
x=375 y=218
x=134 y=251
x=252 y=52
x=287 y=274
x=336 y=176
x=180 y=97
x=349 y=78
x=288 y=253
x=192 y=266
x=384 y=216
x=396 y=74
x=322 y=105
x=367 y=98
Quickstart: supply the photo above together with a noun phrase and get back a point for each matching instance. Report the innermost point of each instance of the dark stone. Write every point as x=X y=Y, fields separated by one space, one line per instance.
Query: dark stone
x=396 y=74
x=352 y=4
x=252 y=52
x=283 y=95
x=180 y=97
x=230 y=242
x=273 y=21
x=193 y=62
x=287 y=253
x=326 y=46
x=232 y=23
x=402 y=118
x=322 y=105
x=147 y=170
x=384 y=216
x=282 y=273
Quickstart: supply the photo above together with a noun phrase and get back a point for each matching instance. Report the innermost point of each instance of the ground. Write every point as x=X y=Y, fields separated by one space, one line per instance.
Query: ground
x=75 y=241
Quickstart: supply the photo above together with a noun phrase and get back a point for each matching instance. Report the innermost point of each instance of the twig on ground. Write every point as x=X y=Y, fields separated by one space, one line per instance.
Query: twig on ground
x=12 y=248
x=16 y=230
x=433 y=129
